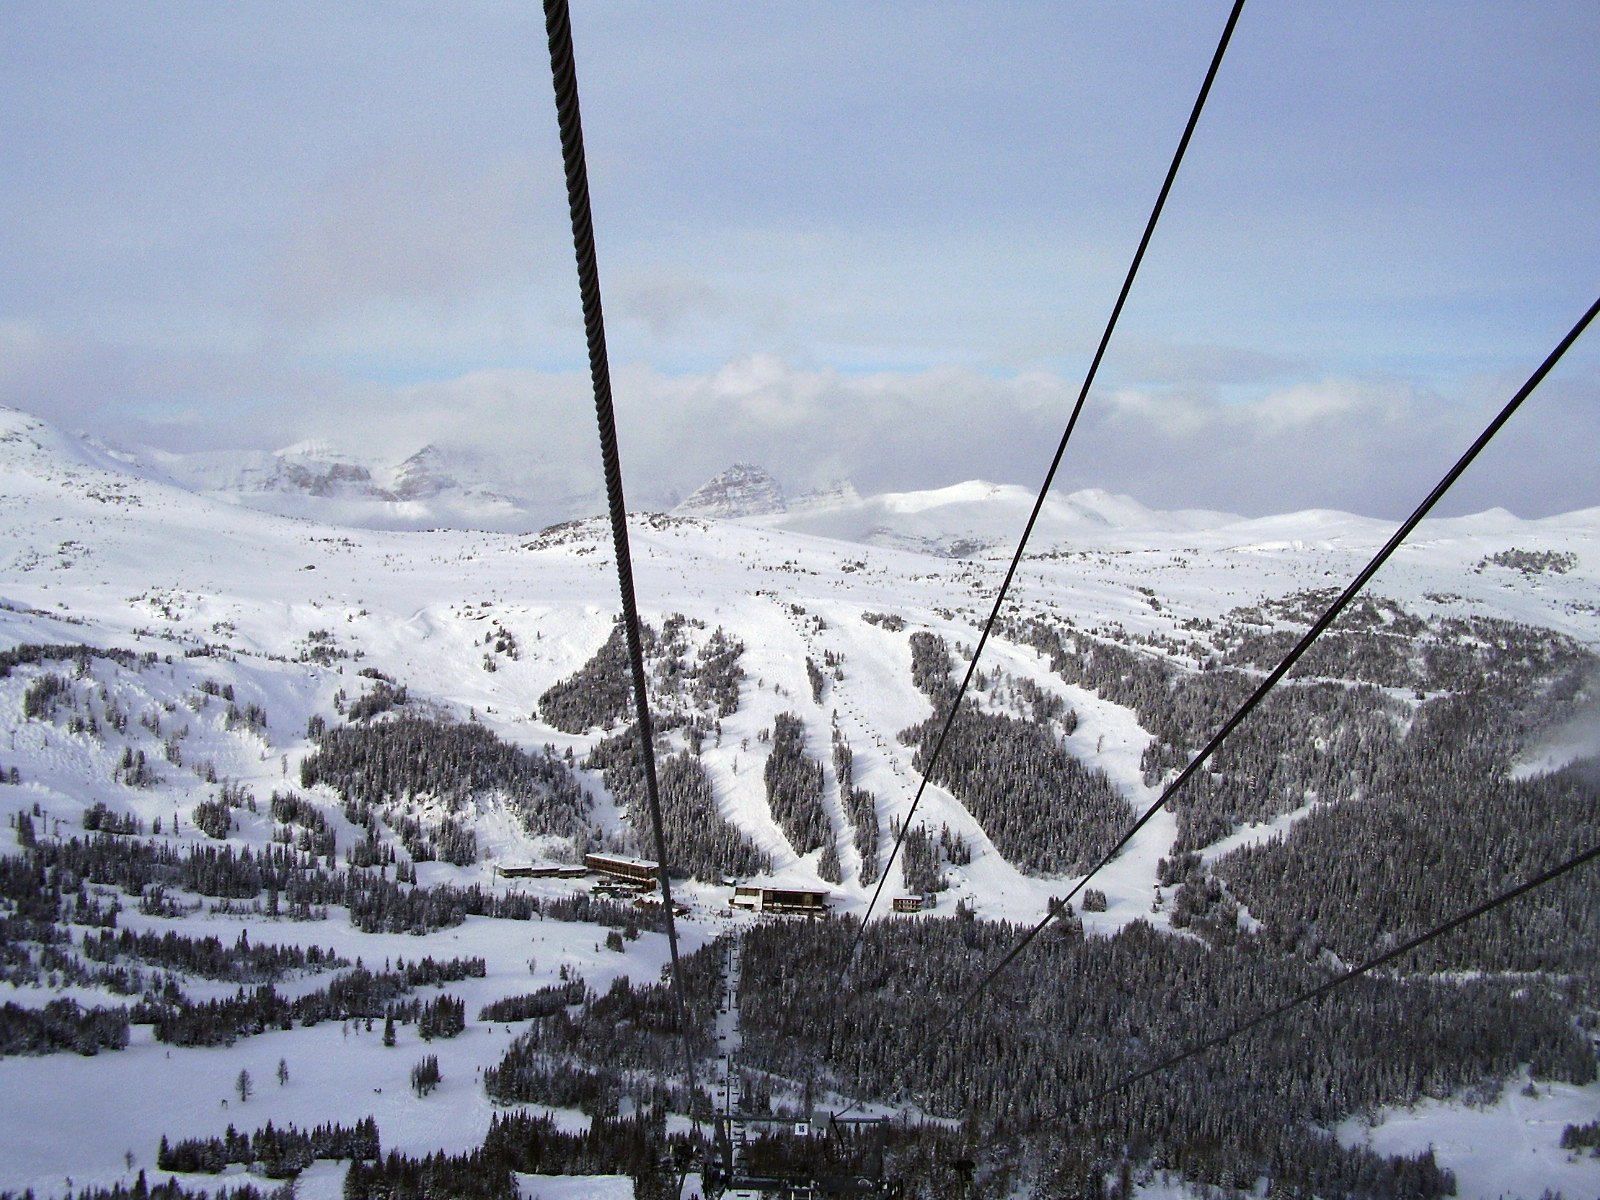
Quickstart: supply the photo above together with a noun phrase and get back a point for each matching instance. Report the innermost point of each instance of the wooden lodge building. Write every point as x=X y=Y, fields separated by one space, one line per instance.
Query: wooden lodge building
x=525 y=871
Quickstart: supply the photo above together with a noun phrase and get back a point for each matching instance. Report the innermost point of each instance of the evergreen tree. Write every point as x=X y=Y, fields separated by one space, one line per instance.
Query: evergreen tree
x=425 y=1075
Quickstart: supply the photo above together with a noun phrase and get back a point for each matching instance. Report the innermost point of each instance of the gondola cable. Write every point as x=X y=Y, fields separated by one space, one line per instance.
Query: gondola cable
x=565 y=85
x=1340 y=980
x=564 y=76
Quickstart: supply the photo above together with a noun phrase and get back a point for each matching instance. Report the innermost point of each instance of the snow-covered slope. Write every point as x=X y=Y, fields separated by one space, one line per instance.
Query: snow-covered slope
x=288 y=613
x=93 y=553
x=977 y=519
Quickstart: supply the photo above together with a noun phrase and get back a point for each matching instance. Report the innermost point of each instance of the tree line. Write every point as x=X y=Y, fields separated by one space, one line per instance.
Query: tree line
x=684 y=680
x=1045 y=812
x=207 y=957
x=142 y=1189
x=860 y=806
x=410 y=757
x=700 y=842
x=357 y=994
x=794 y=789
x=637 y=1146
x=623 y=1043
x=279 y=1153
x=1330 y=731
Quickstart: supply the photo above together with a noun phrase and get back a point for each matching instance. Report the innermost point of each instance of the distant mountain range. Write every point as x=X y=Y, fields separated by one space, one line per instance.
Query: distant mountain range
x=435 y=487
x=440 y=487
x=467 y=489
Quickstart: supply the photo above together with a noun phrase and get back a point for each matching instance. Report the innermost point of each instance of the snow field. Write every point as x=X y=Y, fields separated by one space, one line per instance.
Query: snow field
x=83 y=1114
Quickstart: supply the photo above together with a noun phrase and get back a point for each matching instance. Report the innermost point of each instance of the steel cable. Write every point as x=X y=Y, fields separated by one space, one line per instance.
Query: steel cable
x=1057 y=908
x=564 y=75
x=1327 y=986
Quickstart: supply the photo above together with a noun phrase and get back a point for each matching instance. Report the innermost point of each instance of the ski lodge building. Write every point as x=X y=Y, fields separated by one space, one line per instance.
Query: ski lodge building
x=527 y=871
x=779 y=900
x=630 y=870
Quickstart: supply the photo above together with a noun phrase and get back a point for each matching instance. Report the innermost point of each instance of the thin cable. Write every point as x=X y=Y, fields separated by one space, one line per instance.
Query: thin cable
x=1283 y=668
x=1323 y=989
x=564 y=75
x=1044 y=488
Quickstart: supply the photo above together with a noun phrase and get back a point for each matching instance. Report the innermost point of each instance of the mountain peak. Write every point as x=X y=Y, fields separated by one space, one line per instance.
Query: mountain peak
x=317 y=449
x=424 y=475
x=743 y=490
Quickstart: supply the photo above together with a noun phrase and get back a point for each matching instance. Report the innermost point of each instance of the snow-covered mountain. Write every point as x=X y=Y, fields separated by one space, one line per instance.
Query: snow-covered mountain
x=743 y=490
x=138 y=561
x=439 y=487
x=975 y=518
x=221 y=637
x=435 y=487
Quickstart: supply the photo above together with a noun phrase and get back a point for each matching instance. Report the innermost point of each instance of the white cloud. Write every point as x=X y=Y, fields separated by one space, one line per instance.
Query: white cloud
x=1164 y=414
x=1368 y=446
x=1330 y=402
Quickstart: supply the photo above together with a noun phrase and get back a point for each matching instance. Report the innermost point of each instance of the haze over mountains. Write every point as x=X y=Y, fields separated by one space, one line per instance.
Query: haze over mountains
x=473 y=489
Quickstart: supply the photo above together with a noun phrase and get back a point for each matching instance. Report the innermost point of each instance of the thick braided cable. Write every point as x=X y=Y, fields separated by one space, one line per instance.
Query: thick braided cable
x=564 y=73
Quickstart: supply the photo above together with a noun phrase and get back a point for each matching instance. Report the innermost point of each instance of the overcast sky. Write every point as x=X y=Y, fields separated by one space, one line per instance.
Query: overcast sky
x=874 y=241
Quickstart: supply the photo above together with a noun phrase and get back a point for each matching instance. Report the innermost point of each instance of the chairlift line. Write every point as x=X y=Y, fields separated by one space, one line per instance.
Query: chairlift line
x=1049 y=479
x=1058 y=907
x=1038 y=504
x=1324 y=988
x=1304 y=644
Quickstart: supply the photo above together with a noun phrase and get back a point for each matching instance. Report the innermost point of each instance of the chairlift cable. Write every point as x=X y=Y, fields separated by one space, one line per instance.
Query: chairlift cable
x=1324 y=988
x=1057 y=907
x=564 y=75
